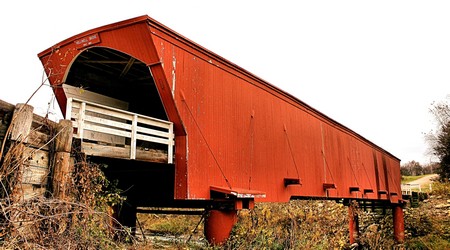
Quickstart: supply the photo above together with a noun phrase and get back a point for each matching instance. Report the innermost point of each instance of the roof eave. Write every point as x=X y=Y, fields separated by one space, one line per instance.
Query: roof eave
x=117 y=25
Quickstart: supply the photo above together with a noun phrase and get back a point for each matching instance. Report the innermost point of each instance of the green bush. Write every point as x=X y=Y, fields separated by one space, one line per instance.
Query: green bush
x=441 y=189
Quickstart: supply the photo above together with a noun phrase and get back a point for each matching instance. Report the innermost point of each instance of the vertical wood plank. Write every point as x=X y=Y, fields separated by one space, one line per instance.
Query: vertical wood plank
x=69 y=109
x=61 y=174
x=63 y=140
x=81 y=117
x=170 y=145
x=62 y=168
x=133 y=137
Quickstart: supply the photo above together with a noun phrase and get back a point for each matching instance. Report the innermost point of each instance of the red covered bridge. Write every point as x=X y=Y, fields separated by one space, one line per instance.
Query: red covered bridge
x=180 y=126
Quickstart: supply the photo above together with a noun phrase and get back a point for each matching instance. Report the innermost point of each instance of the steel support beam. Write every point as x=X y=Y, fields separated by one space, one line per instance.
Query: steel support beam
x=218 y=225
x=353 y=224
x=399 y=224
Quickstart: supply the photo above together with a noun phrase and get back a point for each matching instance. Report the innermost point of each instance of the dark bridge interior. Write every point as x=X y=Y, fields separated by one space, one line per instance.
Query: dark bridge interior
x=115 y=74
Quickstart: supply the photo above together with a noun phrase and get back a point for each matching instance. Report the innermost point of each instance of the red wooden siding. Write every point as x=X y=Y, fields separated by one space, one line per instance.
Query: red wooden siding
x=235 y=130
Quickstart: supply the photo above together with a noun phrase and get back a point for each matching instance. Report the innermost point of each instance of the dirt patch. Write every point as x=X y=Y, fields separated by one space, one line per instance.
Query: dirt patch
x=425 y=180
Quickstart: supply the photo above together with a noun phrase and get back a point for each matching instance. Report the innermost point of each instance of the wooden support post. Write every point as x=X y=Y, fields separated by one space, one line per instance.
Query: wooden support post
x=399 y=224
x=353 y=223
x=18 y=161
x=21 y=122
x=64 y=135
x=62 y=168
x=20 y=129
x=61 y=172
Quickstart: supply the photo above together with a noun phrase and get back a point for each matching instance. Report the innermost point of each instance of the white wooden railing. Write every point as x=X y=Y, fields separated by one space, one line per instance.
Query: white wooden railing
x=408 y=188
x=104 y=124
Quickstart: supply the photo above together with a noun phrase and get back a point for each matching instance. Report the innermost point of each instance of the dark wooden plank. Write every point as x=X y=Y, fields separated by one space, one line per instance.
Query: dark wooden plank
x=151 y=155
x=38 y=139
x=6 y=106
x=39 y=121
x=6 y=111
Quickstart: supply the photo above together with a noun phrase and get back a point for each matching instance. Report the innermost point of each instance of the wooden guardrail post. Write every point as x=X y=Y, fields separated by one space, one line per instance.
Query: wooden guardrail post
x=20 y=129
x=62 y=169
x=21 y=122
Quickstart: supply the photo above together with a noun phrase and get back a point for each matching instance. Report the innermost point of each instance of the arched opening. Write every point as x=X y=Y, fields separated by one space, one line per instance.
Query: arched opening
x=117 y=75
x=116 y=108
x=111 y=78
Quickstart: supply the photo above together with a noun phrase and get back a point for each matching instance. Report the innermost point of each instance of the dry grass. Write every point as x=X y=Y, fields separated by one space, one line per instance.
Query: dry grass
x=79 y=222
x=303 y=224
x=317 y=225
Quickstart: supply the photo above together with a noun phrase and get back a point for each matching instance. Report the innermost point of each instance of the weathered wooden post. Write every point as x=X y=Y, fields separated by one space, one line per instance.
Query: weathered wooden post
x=20 y=129
x=62 y=169
x=21 y=122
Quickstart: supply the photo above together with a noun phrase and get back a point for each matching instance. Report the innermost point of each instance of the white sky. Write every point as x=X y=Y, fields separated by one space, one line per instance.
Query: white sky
x=374 y=66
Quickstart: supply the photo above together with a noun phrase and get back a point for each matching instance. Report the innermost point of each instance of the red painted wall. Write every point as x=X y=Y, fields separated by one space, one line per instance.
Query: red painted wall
x=235 y=130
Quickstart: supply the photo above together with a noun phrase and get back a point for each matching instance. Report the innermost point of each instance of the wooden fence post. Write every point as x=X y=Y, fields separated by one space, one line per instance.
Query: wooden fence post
x=21 y=122
x=62 y=169
x=20 y=129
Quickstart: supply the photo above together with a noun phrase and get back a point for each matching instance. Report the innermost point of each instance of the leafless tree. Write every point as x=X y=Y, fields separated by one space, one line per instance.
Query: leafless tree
x=439 y=139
